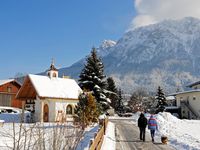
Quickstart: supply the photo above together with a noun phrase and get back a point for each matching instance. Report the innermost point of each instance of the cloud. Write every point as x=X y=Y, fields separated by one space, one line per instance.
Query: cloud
x=152 y=11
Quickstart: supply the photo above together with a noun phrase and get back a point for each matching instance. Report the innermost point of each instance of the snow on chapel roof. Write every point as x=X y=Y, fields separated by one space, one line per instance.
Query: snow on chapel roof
x=55 y=87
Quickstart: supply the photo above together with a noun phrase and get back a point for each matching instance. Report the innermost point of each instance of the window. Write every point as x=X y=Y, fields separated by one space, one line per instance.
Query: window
x=69 y=110
x=9 y=89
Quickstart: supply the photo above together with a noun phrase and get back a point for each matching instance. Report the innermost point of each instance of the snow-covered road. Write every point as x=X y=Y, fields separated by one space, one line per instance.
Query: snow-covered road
x=127 y=138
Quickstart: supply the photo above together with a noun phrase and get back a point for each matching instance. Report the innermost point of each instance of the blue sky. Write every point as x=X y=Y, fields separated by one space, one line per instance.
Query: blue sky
x=34 y=31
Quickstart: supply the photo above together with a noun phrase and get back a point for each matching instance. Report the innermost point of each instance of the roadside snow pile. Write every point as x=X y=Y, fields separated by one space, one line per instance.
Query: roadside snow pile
x=182 y=134
x=109 y=138
x=11 y=114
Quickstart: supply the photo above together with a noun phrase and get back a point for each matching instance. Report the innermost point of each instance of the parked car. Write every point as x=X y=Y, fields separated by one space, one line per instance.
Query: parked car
x=125 y=114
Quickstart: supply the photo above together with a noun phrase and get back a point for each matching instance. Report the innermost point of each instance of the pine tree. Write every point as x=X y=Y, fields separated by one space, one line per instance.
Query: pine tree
x=113 y=93
x=92 y=78
x=161 y=100
x=87 y=110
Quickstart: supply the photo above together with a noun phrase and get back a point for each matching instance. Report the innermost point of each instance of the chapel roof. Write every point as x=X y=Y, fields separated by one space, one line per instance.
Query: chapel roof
x=62 y=88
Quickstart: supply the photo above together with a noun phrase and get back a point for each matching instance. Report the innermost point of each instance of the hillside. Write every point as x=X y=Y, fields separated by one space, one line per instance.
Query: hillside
x=165 y=54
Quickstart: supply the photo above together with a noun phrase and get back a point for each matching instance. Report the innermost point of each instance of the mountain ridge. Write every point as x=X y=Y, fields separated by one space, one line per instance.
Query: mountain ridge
x=165 y=54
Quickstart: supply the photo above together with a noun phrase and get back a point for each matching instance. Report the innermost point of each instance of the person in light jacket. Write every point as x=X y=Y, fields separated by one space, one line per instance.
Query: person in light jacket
x=152 y=126
x=142 y=124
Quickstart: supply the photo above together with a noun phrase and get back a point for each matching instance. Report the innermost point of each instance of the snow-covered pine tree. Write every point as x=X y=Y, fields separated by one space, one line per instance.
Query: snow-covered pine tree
x=92 y=78
x=86 y=109
x=112 y=92
x=161 y=100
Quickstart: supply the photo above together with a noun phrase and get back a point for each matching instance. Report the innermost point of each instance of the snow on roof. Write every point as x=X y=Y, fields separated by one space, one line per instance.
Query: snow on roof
x=190 y=91
x=55 y=87
x=6 y=81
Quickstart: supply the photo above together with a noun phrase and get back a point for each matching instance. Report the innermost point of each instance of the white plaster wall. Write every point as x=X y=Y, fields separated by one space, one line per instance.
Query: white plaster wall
x=195 y=104
x=62 y=105
x=55 y=105
x=178 y=100
x=38 y=110
x=51 y=105
x=196 y=86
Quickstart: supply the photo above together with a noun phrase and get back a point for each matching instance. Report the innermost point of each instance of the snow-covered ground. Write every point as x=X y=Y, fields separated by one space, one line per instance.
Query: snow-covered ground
x=182 y=134
x=39 y=136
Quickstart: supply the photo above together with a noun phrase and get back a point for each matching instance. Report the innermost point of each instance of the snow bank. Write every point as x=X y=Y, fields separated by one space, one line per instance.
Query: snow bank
x=109 y=138
x=182 y=134
x=88 y=135
x=108 y=142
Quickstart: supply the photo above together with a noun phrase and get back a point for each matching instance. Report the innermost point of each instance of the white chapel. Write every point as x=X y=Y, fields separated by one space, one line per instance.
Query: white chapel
x=53 y=98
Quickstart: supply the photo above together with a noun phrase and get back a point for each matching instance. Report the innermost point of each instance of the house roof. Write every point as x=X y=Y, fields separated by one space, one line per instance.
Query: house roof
x=53 y=87
x=189 y=91
x=2 y=82
x=6 y=81
x=193 y=84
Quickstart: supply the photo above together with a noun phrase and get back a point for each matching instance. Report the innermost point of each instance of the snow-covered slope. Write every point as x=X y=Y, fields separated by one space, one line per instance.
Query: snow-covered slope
x=165 y=54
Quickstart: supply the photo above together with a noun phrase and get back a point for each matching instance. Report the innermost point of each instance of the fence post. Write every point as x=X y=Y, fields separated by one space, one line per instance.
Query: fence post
x=104 y=127
x=91 y=142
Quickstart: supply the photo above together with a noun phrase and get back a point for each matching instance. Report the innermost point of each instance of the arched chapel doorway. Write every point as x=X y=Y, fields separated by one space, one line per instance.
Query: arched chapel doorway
x=46 y=113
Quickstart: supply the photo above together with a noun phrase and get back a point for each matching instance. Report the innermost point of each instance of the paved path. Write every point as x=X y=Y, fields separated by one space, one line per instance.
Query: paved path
x=127 y=138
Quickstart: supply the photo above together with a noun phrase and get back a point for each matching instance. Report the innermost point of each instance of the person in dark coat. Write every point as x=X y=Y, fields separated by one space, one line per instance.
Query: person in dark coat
x=142 y=124
x=152 y=126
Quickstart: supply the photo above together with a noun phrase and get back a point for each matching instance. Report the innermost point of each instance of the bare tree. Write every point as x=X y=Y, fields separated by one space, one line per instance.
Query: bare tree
x=137 y=99
x=40 y=136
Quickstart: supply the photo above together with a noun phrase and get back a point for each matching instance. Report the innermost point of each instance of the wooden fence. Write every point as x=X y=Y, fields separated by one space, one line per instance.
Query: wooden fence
x=98 y=138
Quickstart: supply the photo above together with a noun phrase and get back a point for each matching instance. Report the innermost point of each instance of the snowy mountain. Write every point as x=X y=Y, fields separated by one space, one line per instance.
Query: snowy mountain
x=74 y=71
x=165 y=54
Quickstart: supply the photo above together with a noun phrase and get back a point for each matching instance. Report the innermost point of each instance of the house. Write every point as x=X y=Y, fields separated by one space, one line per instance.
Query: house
x=50 y=97
x=8 y=91
x=189 y=101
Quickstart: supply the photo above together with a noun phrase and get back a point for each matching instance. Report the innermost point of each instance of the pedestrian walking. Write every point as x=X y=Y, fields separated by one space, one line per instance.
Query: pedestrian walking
x=152 y=126
x=142 y=124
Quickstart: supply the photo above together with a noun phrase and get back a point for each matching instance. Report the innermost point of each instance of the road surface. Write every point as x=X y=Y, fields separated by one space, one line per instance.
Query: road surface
x=127 y=138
